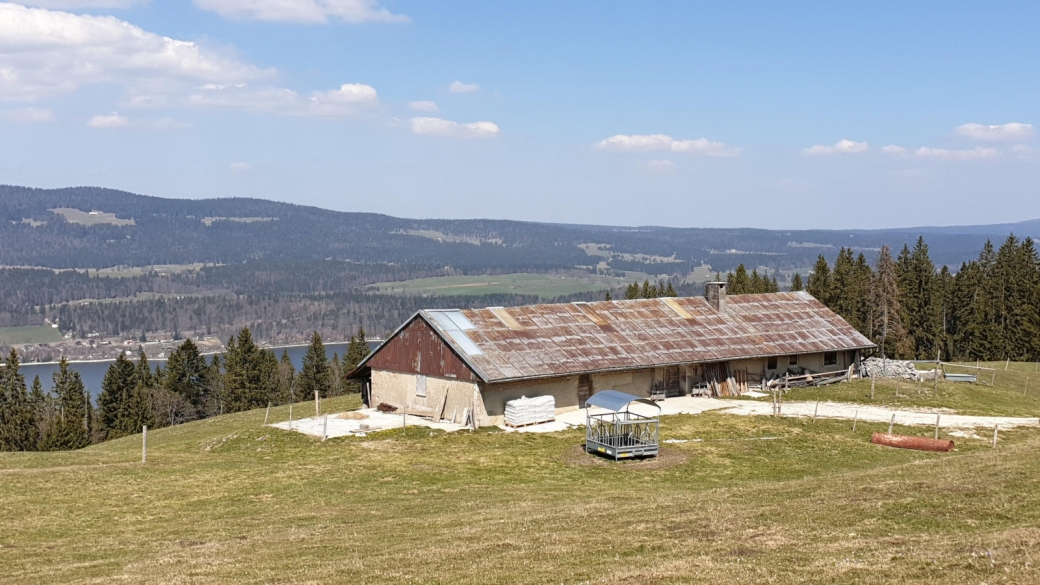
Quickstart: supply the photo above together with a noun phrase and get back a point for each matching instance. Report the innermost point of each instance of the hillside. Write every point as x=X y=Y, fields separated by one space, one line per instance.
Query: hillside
x=57 y=229
x=228 y=500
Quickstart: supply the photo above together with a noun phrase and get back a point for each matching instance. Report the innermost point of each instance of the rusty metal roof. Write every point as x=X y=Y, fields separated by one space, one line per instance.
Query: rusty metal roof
x=540 y=341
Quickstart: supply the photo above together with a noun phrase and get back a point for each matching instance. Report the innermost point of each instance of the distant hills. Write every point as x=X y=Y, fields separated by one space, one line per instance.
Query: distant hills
x=90 y=227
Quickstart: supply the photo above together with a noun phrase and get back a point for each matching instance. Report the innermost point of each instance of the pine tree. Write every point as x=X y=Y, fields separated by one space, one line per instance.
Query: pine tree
x=116 y=388
x=920 y=301
x=670 y=291
x=69 y=429
x=646 y=292
x=796 y=283
x=43 y=407
x=145 y=378
x=357 y=351
x=246 y=383
x=18 y=423
x=185 y=373
x=314 y=375
x=886 y=325
x=632 y=292
x=738 y=283
x=819 y=285
x=286 y=379
x=607 y=298
x=756 y=285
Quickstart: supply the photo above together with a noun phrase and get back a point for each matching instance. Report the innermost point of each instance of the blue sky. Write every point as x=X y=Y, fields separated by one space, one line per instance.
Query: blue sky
x=667 y=113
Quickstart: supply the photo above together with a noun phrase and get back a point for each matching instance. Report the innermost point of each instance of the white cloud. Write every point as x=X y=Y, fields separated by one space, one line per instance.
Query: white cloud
x=113 y=120
x=662 y=142
x=439 y=127
x=839 y=147
x=348 y=100
x=116 y=120
x=28 y=115
x=71 y=4
x=978 y=153
x=459 y=87
x=423 y=106
x=43 y=52
x=1012 y=132
x=926 y=152
x=303 y=11
x=660 y=166
x=240 y=167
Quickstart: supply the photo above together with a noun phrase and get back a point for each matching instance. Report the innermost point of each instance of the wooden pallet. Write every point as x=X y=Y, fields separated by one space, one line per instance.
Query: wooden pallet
x=529 y=424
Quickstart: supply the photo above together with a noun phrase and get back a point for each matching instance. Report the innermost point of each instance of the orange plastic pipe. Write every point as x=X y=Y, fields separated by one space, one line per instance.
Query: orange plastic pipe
x=907 y=442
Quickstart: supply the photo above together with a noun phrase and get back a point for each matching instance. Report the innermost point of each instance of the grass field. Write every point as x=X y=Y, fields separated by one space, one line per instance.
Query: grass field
x=1015 y=392
x=543 y=285
x=745 y=500
x=24 y=335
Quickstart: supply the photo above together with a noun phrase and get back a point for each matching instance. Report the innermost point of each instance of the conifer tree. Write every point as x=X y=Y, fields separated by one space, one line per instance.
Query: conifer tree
x=117 y=386
x=42 y=406
x=886 y=323
x=185 y=373
x=357 y=351
x=18 y=424
x=670 y=291
x=796 y=283
x=920 y=301
x=247 y=380
x=646 y=292
x=819 y=285
x=69 y=429
x=286 y=379
x=314 y=375
x=632 y=292
x=755 y=284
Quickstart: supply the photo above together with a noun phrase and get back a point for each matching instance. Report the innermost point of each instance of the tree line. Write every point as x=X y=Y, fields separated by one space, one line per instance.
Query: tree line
x=988 y=310
x=134 y=395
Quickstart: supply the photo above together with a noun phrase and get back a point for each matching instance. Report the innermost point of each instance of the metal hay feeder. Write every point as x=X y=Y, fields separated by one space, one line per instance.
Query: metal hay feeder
x=620 y=433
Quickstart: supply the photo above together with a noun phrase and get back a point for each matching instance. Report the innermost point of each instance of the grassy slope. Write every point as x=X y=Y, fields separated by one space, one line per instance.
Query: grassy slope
x=227 y=500
x=22 y=335
x=543 y=285
x=1015 y=392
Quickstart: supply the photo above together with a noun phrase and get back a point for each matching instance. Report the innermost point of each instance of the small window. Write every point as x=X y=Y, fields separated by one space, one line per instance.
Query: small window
x=771 y=363
x=793 y=360
x=420 y=386
x=830 y=358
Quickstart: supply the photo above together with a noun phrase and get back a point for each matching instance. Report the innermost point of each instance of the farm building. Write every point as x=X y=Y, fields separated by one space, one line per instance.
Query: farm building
x=443 y=362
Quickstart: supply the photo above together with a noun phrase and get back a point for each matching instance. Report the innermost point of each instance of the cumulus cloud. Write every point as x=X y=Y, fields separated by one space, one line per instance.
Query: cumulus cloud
x=927 y=152
x=839 y=147
x=423 y=106
x=28 y=115
x=660 y=166
x=302 y=11
x=70 y=4
x=1012 y=132
x=113 y=120
x=662 y=142
x=459 y=87
x=44 y=52
x=349 y=99
x=978 y=153
x=117 y=120
x=439 y=127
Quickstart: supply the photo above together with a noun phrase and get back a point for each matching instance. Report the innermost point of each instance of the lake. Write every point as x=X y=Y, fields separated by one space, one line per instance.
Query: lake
x=93 y=372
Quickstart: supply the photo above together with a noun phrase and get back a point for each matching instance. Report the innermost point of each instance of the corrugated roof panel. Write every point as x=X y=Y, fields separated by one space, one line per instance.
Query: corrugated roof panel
x=556 y=339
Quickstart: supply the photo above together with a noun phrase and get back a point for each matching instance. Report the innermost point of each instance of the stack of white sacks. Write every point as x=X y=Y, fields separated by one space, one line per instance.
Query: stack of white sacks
x=528 y=411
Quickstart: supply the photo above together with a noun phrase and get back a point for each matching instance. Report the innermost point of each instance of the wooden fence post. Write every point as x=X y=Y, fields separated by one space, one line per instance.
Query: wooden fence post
x=872 y=380
x=855 y=420
x=268 y=414
x=317 y=404
x=815 y=411
x=144 y=444
x=891 y=422
x=937 y=425
x=325 y=428
x=995 y=427
x=290 y=416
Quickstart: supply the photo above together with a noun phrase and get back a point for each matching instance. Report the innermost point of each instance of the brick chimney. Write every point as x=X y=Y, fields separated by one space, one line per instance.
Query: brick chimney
x=715 y=293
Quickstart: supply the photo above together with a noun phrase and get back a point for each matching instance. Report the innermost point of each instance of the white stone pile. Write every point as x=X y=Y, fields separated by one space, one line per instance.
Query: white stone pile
x=886 y=368
x=529 y=411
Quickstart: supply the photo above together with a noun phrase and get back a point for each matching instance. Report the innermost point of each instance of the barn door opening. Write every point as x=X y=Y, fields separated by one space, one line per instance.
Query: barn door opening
x=584 y=388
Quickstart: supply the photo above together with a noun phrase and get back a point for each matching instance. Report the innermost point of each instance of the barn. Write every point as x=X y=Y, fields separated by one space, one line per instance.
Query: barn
x=444 y=362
